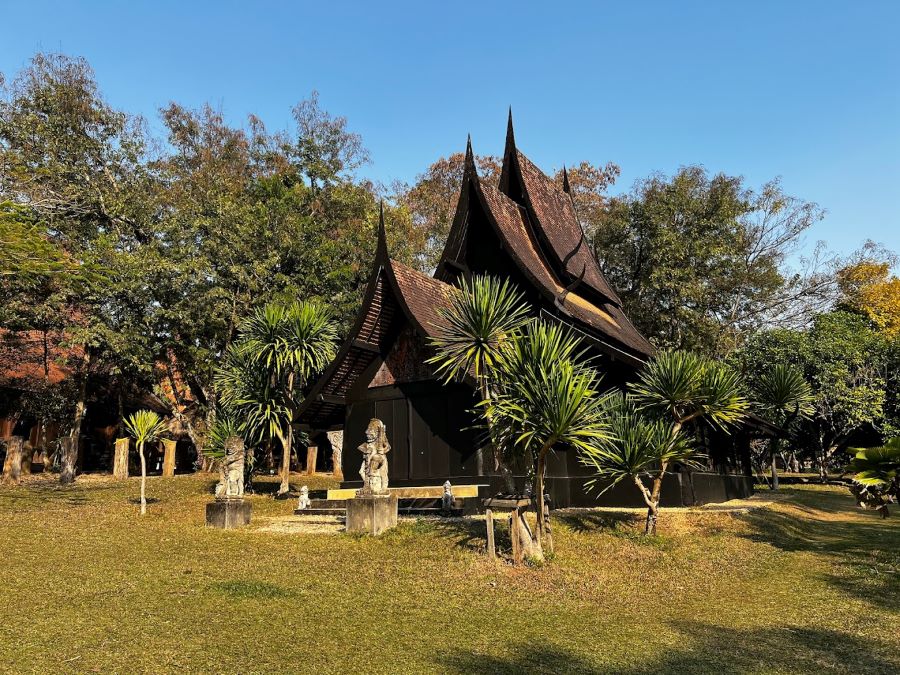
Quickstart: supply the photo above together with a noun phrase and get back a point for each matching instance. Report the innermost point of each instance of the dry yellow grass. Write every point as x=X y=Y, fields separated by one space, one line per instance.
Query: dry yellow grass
x=808 y=584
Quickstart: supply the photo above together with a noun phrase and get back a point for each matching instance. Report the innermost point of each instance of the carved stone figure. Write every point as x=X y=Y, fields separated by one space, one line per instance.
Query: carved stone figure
x=374 y=469
x=231 y=484
x=303 y=502
x=447 y=501
x=336 y=438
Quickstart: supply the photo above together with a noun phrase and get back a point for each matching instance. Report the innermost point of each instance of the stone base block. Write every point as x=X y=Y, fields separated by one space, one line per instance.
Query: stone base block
x=371 y=515
x=228 y=513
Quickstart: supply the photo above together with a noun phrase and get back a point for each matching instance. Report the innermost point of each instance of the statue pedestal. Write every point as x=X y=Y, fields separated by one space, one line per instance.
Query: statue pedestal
x=228 y=514
x=372 y=514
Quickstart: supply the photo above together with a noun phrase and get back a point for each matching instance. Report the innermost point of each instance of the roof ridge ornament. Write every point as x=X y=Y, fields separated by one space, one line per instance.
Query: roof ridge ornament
x=382 y=247
x=470 y=169
x=566 y=186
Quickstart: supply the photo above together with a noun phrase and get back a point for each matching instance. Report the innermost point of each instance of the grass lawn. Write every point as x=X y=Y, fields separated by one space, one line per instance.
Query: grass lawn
x=809 y=584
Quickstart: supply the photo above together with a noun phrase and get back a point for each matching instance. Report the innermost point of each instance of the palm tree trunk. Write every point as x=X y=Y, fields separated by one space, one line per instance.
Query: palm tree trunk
x=286 y=441
x=773 y=450
x=143 y=478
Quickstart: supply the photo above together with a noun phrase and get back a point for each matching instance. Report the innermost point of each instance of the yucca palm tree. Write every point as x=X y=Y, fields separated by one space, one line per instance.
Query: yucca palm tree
x=482 y=316
x=638 y=446
x=782 y=395
x=145 y=426
x=280 y=348
x=546 y=397
x=683 y=387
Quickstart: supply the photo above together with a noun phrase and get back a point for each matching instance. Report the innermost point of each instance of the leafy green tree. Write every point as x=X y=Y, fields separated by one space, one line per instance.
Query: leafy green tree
x=783 y=397
x=90 y=210
x=638 y=447
x=546 y=398
x=702 y=261
x=846 y=363
x=482 y=316
x=145 y=426
x=685 y=388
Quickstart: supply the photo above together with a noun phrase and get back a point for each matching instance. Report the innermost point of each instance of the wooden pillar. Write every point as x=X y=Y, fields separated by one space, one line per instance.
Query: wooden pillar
x=168 y=469
x=312 y=454
x=120 y=458
x=12 y=465
x=489 y=521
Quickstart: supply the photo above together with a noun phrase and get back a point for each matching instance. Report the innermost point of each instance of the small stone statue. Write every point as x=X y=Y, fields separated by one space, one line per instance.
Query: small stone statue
x=447 y=500
x=303 y=502
x=231 y=483
x=374 y=469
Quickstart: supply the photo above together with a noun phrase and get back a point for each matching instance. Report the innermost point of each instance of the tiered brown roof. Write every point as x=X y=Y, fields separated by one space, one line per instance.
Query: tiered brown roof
x=393 y=289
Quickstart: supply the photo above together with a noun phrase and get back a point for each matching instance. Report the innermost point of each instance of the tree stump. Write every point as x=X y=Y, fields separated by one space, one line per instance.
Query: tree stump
x=312 y=454
x=12 y=466
x=120 y=459
x=168 y=468
x=27 y=457
x=68 y=459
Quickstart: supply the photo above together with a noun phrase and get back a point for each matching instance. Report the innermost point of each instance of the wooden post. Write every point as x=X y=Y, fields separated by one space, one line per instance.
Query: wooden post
x=120 y=459
x=312 y=453
x=489 y=522
x=169 y=446
x=12 y=466
x=514 y=536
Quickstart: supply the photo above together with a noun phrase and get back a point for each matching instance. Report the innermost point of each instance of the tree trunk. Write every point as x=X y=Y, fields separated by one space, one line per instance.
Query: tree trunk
x=541 y=531
x=12 y=465
x=773 y=451
x=68 y=458
x=652 y=517
x=286 y=441
x=143 y=478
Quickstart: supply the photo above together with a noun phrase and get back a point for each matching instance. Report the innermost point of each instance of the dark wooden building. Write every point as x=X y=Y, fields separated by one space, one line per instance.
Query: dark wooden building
x=524 y=229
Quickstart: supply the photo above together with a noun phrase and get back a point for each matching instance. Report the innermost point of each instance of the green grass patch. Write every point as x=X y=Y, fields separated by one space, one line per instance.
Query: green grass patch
x=809 y=584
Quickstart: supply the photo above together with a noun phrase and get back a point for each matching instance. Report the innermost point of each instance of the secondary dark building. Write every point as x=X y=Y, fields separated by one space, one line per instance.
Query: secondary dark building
x=524 y=229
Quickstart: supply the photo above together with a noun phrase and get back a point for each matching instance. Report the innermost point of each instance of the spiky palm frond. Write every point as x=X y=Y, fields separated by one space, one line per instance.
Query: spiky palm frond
x=876 y=467
x=145 y=426
x=684 y=386
x=482 y=316
x=298 y=338
x=545 y=396
x=224 y=426
x=782 y=393
x=636 y=444
x=251 y=393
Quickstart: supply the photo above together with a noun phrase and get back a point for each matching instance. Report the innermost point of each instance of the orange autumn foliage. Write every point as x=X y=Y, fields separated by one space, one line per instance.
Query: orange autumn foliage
x=869 y=288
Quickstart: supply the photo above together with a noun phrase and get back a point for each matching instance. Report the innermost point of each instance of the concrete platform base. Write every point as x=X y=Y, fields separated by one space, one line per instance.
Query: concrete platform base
x=372 y=515
x=227 y=514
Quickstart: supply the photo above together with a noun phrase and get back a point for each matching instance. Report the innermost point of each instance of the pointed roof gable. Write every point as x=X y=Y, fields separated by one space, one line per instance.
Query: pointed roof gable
x=553 y=214
x=393 y=289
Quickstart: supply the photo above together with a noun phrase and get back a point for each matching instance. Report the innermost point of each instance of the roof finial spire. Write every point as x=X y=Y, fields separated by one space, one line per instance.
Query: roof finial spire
x=510 y=136
x=566 y=187
x=382 y=233
x=469 y=168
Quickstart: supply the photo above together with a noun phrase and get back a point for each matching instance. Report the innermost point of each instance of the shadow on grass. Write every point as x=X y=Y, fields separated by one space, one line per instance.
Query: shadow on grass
x=704 y=648
x=592 y=521
x=866 y=552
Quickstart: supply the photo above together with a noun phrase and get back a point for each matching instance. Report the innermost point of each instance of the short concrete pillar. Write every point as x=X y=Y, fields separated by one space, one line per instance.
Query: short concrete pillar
x=312 y=454
x=227 y=514
x=120 y=458
x=168 y=468
x=372 y=514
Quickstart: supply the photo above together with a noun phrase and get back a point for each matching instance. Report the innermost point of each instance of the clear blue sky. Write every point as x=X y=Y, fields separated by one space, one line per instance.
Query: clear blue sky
x=809 y=91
